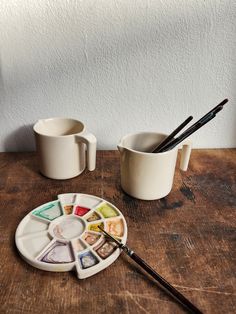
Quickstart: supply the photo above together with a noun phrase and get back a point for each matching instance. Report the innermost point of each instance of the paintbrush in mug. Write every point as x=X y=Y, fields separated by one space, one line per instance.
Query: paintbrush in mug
x=197 y=125
x=171 y=136
x=167 y=287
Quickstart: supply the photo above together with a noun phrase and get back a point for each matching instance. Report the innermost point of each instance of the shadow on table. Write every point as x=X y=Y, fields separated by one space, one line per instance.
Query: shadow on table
x=20 y=140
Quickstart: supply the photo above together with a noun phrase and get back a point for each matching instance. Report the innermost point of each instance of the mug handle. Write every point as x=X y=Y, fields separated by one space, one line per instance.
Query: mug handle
x=185 y=154
x=90 y=140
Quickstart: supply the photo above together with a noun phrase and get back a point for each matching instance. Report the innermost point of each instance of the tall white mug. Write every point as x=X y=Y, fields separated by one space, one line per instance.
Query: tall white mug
x=64 y=147
x=145 y=175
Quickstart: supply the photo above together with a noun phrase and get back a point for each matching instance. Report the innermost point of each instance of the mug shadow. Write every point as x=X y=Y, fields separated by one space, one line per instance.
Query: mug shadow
x=20 y=140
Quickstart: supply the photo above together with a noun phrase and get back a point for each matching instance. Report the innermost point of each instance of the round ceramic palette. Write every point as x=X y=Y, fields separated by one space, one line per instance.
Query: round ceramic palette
x=63 y=235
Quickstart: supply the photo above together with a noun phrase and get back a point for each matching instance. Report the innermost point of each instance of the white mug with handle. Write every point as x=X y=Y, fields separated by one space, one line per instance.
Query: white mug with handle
x=61 y=146
x=145 y=175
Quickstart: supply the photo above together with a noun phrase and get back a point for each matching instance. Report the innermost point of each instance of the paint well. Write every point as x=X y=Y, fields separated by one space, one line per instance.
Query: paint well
x=107 y=210
x=58 y=252
x=69 y=228
x=68 y=209
x=34 y=225
x=87 y=260
x=94 y=227
x=93 y=217
x=49 y=211
x=91 y=238
x=78 y=245
x=81 y=211
x=115 y=227
x=105 y=249
x=34 y=244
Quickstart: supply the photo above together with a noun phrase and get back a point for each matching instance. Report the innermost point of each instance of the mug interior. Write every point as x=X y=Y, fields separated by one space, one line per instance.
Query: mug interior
x=143 y=142
x=58 y=127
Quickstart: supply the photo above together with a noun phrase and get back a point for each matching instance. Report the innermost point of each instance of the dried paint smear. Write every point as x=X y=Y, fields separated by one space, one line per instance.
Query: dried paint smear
x=87 y=260
x=50 y=211
x=94 y=216
x=115 y=227
x=68 y=209
x=81 y=211
x=94 y=227
x=59 y=252
x=91 y=238
x=106 y=249
x=107 y=211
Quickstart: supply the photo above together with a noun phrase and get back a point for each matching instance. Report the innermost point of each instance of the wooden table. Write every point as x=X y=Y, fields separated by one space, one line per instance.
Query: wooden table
x=188 y=237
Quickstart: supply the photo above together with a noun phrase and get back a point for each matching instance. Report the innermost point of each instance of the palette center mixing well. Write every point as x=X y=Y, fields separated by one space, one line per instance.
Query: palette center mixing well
x=64 y=235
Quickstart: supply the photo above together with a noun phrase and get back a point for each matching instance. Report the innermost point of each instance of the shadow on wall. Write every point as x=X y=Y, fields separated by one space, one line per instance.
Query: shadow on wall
x=86 y=57
x=20 y=140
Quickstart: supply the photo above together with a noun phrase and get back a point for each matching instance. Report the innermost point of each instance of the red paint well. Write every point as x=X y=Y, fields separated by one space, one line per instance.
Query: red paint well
x=81 y=211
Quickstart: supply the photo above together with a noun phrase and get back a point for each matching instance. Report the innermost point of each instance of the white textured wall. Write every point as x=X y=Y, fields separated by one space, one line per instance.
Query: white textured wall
x=120 y=66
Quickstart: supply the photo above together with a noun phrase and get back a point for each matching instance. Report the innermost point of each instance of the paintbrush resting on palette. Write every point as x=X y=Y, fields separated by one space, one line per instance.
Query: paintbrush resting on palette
x=161 y=281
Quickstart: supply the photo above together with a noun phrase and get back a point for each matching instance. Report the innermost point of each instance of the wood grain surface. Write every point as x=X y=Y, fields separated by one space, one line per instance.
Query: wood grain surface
x=188 y=237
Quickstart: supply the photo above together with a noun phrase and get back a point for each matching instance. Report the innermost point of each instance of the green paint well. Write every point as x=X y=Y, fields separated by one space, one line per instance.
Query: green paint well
x=49 y=212
x=107 y=211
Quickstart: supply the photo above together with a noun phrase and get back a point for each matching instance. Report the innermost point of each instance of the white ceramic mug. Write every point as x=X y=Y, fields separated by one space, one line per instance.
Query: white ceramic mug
x=149 y=176
x=61 y=146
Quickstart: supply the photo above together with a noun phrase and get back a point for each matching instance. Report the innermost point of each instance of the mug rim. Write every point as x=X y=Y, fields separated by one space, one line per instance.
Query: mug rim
x=146 y=153
x=57 y=118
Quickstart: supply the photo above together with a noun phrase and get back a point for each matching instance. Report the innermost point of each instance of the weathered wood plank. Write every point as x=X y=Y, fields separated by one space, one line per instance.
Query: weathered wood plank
x=188 y=237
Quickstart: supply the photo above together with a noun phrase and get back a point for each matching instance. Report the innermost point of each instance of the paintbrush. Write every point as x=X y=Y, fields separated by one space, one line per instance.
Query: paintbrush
x=167 y=287
x=172 y=135
x=197 y=125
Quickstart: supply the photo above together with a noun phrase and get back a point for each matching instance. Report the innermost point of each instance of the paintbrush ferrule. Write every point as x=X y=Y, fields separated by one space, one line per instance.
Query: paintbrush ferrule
x=127 y=250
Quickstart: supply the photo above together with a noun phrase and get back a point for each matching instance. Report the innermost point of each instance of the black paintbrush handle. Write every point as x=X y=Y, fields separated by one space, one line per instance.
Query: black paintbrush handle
x=187 y=133
x=206 y=118
x=164 y=284
x=170 y=137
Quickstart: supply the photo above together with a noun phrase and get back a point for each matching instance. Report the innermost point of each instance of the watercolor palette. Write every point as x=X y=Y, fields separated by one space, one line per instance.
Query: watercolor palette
x=64 y=235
